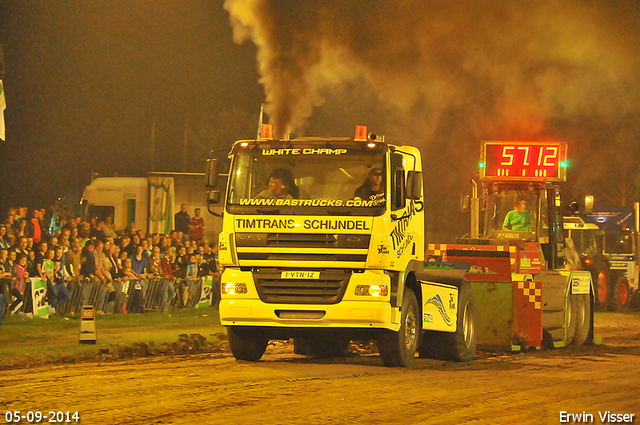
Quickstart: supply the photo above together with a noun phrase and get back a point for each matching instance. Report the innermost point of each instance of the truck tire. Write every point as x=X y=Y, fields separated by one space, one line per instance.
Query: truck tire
x=581 y=317
x=459 y=346
x=620 y=296
x=571 y=319
x=600 y=277
x=247 y=343
x=397 y=349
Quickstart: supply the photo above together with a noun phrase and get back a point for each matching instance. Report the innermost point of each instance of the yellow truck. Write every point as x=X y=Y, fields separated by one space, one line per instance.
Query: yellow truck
x=323 y=242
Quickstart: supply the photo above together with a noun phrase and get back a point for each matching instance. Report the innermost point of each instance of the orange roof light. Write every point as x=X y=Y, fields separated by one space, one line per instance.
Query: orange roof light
x=266 y=132
x=361 y=133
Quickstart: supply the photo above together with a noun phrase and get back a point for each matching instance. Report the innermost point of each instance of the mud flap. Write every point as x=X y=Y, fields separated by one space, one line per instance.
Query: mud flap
x=527 y=315
x=494 y=319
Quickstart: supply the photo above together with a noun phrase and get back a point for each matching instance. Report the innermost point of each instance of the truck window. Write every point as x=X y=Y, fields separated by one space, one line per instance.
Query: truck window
x=306 y=180
x=398 y=185
x=100 y=212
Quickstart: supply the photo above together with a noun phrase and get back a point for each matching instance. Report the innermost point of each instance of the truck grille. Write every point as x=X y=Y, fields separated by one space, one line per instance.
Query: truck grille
x=324 y=247
x=328 y=289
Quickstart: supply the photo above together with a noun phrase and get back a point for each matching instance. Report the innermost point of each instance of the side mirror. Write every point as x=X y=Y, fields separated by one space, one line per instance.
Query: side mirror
x=211 y=174
x=213 y=197
x=414 y=185
x=588 y=204
x=465 y=202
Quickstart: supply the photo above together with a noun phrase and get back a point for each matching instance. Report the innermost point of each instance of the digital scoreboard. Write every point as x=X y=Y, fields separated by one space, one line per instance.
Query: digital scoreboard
x=535 y=161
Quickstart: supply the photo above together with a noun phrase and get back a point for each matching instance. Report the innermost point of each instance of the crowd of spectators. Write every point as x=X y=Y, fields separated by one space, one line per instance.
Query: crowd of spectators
x=93 y=249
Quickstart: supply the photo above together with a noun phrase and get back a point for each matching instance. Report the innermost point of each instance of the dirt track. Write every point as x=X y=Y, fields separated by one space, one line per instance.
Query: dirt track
x=284 y=388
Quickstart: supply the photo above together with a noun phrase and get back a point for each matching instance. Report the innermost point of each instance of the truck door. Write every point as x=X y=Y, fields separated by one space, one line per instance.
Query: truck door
x=551 y=235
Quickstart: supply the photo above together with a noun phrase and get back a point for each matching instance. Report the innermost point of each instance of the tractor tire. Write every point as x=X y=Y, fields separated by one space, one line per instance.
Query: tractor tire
x=620 y=296
x=581 y=317
x=397 y=349
x=600 y=277
x=460 y=345
x=570 y=320
x=247 y=343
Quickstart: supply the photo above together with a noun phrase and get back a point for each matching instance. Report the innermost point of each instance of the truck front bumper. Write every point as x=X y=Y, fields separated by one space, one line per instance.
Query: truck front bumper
x=353 y=311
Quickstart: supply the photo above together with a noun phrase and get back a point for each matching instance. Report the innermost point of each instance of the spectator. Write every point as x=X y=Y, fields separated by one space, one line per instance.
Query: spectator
x=96 y=231
x=137 y=301
x=32 y=264
x=196 y=229
x=9 y=224
x=139 y=262
x=73 y=259
x=21 y=246
x=11 y=267
x=108 y=229
x=44 y=224
x=168 y=263
x=57 y=288
x=182 y=220
x=20 y=229
x=168 y=292
x=155 y=262
x=100 y=259
x=5 y=242
x=47 y=266
x=33 y=227
x=88 y=267
x=40 y=256
x=116 y=266
x=180 y=264
x=84 y=230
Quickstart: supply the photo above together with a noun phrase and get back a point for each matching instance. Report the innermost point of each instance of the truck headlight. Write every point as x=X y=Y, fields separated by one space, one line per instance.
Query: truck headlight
x=372 y=290
x=234 y=288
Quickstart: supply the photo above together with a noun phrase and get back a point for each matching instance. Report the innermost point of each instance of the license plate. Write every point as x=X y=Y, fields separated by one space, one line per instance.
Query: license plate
x=300 y=275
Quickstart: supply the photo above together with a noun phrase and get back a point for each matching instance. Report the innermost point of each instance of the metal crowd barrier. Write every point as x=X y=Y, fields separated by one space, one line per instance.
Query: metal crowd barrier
x=188 y=294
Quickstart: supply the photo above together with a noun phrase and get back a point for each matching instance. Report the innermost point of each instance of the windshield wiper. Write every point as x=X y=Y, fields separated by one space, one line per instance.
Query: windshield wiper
x=270 y=211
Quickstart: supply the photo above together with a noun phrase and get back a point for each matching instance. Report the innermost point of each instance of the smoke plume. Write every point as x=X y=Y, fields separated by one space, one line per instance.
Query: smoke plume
x=469 y=69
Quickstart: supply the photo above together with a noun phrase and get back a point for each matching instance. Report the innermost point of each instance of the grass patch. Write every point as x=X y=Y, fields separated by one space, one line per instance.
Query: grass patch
x=33 y=341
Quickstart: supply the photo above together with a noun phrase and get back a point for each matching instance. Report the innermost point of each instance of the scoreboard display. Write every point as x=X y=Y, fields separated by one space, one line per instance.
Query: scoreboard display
x=534 y=161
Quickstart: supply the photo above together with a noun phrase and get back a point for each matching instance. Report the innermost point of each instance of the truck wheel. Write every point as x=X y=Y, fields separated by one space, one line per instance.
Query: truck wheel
x=246 y=343
x=601 y=286
x=581 y=314
x=460 y=345
x=397 y=349
x=464 y=339
x=620 y=296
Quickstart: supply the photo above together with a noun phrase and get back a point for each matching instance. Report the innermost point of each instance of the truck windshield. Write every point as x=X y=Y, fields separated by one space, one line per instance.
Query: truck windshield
x=618 y=242
x=292 y=182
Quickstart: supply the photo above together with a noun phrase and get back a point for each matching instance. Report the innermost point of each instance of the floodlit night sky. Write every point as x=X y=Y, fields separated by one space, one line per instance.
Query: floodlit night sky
x=85 y=80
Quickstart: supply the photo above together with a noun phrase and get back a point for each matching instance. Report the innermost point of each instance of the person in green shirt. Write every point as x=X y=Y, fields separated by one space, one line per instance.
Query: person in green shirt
x=519 y=218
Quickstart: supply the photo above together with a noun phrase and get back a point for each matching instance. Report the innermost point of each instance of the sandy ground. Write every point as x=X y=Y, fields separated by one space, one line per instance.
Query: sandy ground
x=283 y=388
